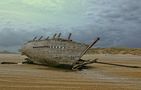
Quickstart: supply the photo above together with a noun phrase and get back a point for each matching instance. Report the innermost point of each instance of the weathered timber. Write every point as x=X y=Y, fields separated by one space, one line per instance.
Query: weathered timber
x=59 y=35
x=84 y=52
x=40 y=38
x=69 y=36
x=56 y=51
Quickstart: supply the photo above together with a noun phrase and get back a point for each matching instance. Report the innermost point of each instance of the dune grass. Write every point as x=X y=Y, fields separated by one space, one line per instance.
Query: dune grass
x=133 y=51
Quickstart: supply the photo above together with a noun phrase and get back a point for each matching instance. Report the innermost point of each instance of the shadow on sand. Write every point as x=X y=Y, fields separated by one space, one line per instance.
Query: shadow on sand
x=65 y=68
x=128 y=66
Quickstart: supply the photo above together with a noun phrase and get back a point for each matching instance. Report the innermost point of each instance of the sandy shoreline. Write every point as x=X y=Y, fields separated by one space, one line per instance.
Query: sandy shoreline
x=97 y=77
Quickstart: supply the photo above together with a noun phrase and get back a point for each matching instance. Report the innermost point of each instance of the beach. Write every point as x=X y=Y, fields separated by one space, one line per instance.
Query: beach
x=95 y=77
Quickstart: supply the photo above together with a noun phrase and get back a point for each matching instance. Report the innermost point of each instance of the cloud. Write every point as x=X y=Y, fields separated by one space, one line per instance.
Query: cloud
x=118 y=23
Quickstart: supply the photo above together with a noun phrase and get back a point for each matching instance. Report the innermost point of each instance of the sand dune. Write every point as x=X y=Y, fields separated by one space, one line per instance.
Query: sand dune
x=96 y=77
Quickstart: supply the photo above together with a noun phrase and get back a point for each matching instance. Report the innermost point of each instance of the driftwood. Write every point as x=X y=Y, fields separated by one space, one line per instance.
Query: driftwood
x=9 y=63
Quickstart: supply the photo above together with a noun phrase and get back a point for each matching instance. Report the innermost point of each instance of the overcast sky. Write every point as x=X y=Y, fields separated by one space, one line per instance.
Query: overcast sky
x=117 y=22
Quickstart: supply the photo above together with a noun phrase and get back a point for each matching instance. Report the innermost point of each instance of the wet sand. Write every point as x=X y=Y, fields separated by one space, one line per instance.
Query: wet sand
x=96 y=77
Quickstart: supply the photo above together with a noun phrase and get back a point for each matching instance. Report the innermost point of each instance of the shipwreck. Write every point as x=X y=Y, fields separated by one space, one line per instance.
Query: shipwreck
x=56 y=51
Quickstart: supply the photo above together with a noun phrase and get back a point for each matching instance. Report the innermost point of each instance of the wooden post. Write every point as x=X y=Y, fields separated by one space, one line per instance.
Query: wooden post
x=54 y=36
x=47 y=38
x=59 y=35
x=34 y=38
x=40 y=38
x=84 y=52
x=69 y=36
